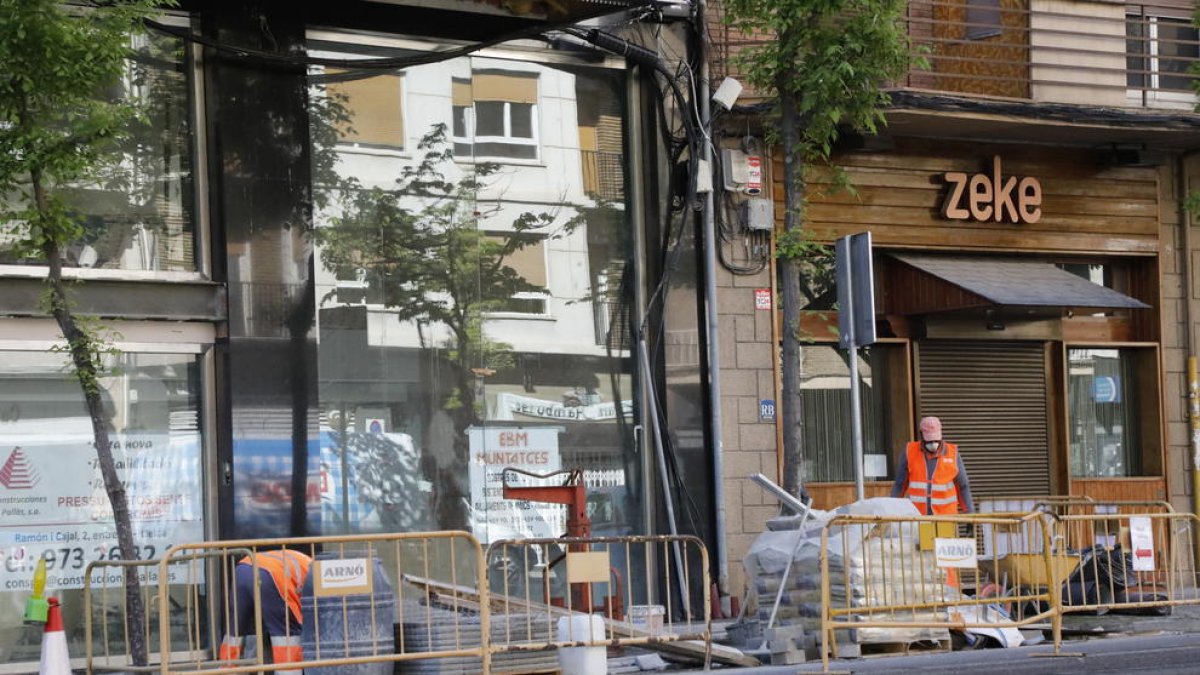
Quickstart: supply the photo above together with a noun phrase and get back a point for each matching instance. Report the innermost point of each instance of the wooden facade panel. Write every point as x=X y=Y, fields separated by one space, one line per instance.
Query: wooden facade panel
x=828 y=496
x=1053 y=205
x=928 y=218
x=969 y=239
x=864 y=178
x=1150 y=489
x=1036 y=161
x=1087 y=206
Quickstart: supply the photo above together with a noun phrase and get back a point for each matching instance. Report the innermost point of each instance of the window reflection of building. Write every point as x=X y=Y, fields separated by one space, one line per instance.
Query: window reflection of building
x=550 y=358
x=139 y=216
x=374 y=108
x=494 y=115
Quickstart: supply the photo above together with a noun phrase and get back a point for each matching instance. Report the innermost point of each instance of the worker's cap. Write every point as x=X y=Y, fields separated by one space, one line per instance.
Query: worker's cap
x=931 y=428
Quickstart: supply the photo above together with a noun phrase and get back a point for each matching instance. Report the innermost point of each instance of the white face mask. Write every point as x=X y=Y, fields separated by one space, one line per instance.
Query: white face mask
x=931 y=445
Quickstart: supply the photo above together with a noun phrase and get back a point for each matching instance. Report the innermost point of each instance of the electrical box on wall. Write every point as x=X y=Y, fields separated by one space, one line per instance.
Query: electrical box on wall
x=743 y=172
x=758 y=215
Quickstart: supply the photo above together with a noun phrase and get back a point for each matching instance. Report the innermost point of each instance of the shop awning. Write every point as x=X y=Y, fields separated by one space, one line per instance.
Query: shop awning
x=944 y=283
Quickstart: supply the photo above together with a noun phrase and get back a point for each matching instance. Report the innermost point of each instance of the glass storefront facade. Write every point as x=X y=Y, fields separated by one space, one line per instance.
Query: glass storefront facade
x=140 y=215
x=473 y=279
x=428 y=274
x=825 y=401
x=53 y=504
x=1104 y=419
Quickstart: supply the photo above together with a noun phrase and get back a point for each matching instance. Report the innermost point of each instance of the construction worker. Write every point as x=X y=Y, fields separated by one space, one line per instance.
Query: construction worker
x=932 y=475
x=281 y=579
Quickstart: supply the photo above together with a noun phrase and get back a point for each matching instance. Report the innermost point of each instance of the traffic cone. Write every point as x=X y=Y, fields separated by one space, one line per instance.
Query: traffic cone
x=55 y=658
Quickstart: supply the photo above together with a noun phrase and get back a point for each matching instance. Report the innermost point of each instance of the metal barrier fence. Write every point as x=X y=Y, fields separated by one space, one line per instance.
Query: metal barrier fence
x=355 y=605
x=409 y=597
x=610 y=591
x=1138 y=560
x=908 y=579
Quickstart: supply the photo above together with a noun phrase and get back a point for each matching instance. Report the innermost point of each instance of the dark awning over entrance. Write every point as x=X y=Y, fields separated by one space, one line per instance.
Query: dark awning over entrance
x=935 y=283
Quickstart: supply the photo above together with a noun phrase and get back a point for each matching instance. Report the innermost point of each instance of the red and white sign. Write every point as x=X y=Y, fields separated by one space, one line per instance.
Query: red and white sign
x=1141 y=540
x=754 y=175
x=53 y=504
x=762 y=298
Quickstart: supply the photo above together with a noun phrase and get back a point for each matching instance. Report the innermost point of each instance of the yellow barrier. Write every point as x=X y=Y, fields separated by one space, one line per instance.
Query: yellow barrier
x=437 y=604
x=1128 y=561
x=191 y=607
x=908 y=579
x=601 y=591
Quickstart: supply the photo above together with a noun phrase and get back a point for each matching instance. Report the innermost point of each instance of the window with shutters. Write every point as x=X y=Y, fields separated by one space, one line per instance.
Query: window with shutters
x=495 y=115
x=1105 y=420
x=825 y=404
x=373 y=109
x=529 y=262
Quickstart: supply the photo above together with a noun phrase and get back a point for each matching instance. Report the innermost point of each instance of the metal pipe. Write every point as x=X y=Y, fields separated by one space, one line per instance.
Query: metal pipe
x=660 y=452
x=779 y=493
x=713 y=324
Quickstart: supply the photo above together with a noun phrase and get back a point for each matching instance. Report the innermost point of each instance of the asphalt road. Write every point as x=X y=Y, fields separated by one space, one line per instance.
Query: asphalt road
x=1167 y=654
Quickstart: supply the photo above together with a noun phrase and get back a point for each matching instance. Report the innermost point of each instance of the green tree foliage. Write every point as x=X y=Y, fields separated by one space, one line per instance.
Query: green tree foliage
x=61 y=125
x=826 y=62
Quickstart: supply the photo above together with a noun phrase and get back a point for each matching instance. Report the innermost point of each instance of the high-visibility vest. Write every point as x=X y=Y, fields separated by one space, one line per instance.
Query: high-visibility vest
x=937 y=490
x=288 y=568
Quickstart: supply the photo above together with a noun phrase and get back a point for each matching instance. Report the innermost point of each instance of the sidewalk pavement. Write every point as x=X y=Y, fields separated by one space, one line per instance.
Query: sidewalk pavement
x=1083 y=635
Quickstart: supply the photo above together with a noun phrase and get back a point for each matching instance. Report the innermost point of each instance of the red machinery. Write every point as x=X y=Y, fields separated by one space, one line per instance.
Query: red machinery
x=573 y=494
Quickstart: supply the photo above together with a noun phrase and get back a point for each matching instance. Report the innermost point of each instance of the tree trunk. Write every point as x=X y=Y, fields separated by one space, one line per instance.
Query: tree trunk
x=88 y=370
x=789 y=281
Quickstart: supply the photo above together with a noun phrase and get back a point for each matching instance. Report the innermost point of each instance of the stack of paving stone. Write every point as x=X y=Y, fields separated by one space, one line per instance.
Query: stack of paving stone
x=454 y=630
x=868 y=566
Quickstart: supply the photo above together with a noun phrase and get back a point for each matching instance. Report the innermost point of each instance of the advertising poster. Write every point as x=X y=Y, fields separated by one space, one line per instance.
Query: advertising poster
x=532 y=449
x=53 y=503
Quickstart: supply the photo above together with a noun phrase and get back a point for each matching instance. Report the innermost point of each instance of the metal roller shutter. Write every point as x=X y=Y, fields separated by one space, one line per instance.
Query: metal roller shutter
x=991 y=398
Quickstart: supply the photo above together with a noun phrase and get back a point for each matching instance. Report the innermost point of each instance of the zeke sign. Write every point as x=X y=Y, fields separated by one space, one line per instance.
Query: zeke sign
x=992 y=197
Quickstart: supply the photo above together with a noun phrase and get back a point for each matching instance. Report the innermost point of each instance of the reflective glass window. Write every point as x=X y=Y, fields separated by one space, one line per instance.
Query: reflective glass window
x=473 y=310
x=825 y=407
x=1105 y=428
x=53 y=504
x=140 y=214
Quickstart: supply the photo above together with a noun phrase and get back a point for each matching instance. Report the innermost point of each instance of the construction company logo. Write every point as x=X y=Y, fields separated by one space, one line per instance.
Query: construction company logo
x=955 y=552
x=17 y=473
x=349 y=576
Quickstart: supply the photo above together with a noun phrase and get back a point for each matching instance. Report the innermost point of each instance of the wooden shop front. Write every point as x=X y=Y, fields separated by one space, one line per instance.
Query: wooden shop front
x=1018 y=298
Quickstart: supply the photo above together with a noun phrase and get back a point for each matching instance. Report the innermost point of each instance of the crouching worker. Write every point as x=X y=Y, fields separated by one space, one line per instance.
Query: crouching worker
x=281 y=576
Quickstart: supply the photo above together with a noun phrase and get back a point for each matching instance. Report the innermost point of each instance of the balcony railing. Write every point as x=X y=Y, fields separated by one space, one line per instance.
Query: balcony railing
x=1089 y=53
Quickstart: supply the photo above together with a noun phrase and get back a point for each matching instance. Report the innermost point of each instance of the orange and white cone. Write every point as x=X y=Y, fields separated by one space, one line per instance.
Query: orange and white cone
x=55 y=658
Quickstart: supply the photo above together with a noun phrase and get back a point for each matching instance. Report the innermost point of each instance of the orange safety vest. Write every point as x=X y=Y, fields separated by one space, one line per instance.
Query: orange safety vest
x=288 y=568
x=939 y=490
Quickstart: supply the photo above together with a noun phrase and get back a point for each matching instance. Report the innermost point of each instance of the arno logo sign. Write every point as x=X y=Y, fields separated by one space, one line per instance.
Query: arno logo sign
x=992 y=197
